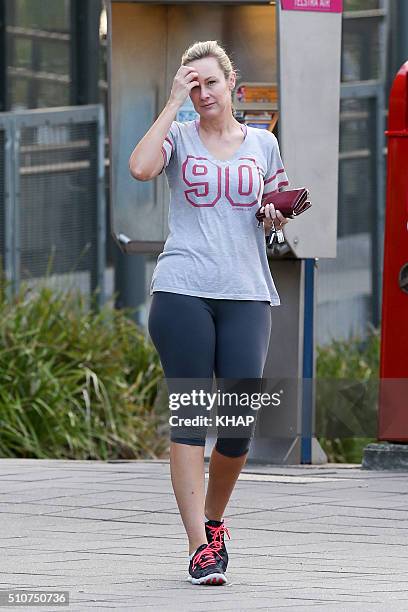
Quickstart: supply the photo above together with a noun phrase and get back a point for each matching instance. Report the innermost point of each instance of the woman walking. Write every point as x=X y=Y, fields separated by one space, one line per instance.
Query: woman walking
x=212 y=288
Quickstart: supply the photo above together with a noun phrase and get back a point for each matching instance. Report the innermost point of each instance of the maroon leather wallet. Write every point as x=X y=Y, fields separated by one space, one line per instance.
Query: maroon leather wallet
x=290 y=203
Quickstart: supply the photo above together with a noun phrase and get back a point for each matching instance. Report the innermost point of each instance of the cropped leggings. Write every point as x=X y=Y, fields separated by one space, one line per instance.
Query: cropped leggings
x=198 y=337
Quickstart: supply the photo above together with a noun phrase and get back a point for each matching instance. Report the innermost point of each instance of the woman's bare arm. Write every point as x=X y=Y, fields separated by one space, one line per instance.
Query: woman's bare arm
x=146 y=160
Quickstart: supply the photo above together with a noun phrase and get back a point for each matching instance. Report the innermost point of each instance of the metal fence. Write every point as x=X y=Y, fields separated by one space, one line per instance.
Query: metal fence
x=52 y=182
x=349 y=287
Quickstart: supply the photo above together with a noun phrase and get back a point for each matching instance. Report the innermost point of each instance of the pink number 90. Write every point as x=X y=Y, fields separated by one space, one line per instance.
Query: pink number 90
x=242 y=183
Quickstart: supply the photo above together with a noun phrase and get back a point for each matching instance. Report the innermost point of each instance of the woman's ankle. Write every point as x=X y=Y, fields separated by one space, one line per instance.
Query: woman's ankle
x=192 y=546
x=213 y=516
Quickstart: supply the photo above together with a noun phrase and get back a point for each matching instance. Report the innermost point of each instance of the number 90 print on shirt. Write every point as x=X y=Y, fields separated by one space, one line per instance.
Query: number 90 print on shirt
x=239 y=182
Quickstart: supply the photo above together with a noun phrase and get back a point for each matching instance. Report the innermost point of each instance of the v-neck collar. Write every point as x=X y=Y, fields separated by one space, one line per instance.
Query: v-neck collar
x=215 y=159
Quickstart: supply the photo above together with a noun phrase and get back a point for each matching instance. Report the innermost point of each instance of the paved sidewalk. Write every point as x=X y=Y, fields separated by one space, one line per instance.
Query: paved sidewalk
x=333 y=537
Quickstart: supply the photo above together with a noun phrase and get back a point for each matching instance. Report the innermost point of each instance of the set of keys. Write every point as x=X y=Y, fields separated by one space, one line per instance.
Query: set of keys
x=275 y=234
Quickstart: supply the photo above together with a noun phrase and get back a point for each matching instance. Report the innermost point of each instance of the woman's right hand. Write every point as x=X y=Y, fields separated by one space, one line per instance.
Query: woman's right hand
x=183 y=83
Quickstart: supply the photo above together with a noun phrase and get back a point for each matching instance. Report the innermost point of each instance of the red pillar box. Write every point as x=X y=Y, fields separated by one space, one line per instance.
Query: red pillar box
x=393 y=397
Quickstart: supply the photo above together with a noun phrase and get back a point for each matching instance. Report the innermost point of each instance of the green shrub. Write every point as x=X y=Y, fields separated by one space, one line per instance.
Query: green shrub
x=75 y=383
x=350 y=359
x=347 y=375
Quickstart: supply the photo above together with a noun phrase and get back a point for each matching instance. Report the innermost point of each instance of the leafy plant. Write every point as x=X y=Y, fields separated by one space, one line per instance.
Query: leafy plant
x=75 y=383
x=347 y=375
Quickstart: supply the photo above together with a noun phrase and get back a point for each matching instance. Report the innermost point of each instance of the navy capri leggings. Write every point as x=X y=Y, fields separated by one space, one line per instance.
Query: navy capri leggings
x=198 y=337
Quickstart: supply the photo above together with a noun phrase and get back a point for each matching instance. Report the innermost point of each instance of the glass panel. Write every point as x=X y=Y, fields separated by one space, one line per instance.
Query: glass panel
x=344 y=290
x=52 y=94
x=23 y=49
x=43 y=14
x=36 y=54
x=54 y=57
x=360 y=50
x=356 y=201
x=361 y=5
x=354 y=125
x=18 y=93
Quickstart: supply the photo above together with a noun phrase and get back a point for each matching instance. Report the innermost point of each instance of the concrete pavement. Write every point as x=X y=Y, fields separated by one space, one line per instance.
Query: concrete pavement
x=332 y=536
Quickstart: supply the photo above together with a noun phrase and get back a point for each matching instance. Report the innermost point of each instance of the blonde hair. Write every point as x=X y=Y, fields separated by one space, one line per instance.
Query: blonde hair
x=209 y=48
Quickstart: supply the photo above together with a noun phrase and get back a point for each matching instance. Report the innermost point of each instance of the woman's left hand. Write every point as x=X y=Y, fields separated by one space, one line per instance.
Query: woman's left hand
x=275 y=216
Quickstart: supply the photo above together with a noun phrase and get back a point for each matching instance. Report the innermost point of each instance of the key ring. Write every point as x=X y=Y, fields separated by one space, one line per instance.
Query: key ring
x=271 y=237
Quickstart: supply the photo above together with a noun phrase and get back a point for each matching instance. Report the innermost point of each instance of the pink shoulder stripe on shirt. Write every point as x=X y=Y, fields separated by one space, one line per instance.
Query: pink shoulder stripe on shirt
x=170 y=143
x=272 y=178
x=163 y=150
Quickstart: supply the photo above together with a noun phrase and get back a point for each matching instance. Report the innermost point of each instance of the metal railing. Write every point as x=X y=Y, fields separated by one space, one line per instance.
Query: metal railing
x=52 y=183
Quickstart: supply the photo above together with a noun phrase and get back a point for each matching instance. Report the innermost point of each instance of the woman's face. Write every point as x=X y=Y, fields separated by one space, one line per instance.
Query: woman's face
x=213 y=96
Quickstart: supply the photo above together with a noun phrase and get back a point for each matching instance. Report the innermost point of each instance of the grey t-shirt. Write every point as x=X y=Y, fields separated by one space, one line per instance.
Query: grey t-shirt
x=215 y=248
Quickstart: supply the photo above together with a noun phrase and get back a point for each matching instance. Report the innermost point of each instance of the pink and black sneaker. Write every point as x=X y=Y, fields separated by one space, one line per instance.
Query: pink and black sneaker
x=215 y=531
x=206 y=566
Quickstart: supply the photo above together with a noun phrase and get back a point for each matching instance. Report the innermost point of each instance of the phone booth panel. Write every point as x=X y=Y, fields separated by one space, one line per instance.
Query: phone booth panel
x=309 y=86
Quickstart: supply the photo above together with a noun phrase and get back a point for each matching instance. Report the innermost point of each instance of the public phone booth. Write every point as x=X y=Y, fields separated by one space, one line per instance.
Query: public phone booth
x=288 y=56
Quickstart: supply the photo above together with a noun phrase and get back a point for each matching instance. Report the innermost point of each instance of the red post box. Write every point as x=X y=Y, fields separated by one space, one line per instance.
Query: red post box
x=393 y=396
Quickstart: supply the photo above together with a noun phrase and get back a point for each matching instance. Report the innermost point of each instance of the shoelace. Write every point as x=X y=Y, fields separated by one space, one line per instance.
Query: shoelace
x=217 y=535
x=206 y=556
